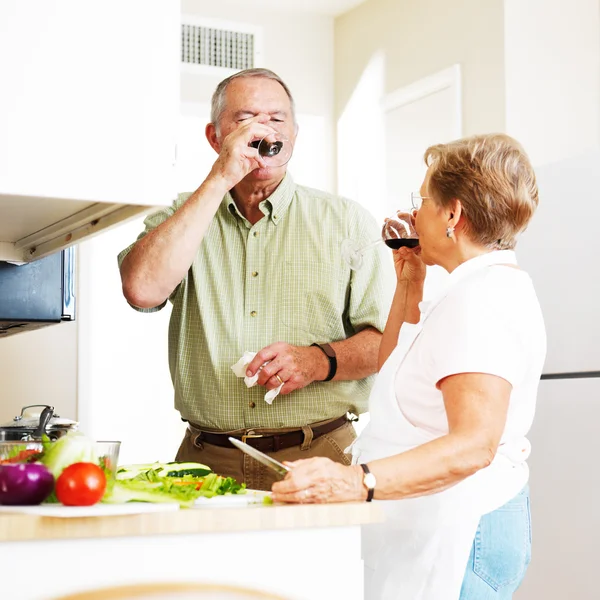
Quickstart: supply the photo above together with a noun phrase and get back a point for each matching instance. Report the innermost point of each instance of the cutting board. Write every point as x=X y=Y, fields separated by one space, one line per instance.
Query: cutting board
x=250 y=497
x=97 y=510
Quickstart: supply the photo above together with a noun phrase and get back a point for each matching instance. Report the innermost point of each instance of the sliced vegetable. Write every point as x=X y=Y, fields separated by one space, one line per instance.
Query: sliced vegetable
x=181 y=469
x=131 y=471
x=131 y=490
x=25 y=484
x=148 y=485
x=22 y=455
x=172 y=469
x=81 y=484
x=216 y=485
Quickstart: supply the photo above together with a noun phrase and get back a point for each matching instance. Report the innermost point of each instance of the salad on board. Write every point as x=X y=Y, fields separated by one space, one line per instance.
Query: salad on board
x=71 y=471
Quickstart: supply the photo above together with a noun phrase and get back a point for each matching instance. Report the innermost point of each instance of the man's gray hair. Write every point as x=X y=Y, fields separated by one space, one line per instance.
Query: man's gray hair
x=218 y=98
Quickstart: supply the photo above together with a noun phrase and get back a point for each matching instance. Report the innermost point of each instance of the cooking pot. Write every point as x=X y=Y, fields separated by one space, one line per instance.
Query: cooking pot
x=33 y=426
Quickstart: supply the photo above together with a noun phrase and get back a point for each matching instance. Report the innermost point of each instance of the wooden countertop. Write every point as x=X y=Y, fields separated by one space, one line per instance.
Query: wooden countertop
x=21 y=527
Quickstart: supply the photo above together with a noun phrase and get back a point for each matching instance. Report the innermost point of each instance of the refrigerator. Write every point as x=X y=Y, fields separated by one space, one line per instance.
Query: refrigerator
x=561 y=251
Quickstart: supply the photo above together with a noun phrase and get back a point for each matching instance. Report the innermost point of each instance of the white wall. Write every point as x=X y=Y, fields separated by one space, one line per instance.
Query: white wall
x=299 y=48
x=552 y=57
x=39 y=367
x=383 y=47
x=418 y=38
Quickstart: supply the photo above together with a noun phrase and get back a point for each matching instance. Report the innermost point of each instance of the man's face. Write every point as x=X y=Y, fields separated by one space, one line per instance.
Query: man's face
x=262 y=98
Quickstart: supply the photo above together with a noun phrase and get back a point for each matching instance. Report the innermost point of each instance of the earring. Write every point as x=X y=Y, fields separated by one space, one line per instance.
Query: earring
x=449 y=232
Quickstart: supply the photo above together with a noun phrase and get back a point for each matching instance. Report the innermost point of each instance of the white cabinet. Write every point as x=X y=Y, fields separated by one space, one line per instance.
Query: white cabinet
x=88 y=117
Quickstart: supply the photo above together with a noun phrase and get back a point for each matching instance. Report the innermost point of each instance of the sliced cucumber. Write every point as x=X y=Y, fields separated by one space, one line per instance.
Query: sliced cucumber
x=181 y=469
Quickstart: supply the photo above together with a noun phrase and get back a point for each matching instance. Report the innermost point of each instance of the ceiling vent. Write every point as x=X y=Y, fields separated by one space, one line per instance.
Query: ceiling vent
x=214 y=47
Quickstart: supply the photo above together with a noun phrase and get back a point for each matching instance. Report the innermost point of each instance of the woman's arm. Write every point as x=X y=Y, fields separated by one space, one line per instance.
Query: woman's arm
x=410 y=273
x=476 y=405
x=404 y=309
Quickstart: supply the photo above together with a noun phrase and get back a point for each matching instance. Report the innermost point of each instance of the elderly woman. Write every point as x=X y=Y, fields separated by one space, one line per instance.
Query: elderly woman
x=456 y=391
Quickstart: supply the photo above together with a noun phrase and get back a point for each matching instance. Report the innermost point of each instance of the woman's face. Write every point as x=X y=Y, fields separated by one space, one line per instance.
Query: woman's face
x=431 y=222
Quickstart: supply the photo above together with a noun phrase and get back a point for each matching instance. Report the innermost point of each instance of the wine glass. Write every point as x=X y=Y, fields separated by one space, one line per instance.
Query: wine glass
x=275 y=149
x=397 y=231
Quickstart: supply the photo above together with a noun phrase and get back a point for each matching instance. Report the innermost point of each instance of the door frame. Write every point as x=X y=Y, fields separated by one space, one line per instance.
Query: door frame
x=449 y=78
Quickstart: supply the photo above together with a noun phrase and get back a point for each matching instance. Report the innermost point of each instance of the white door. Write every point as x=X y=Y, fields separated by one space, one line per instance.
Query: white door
x=416 y=116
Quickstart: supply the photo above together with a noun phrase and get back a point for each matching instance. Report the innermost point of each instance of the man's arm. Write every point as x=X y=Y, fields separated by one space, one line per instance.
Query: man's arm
x=298 y=366
x=160 y=260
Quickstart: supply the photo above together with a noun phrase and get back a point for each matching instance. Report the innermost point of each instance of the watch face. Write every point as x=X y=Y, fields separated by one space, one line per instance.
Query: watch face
x=370 y=481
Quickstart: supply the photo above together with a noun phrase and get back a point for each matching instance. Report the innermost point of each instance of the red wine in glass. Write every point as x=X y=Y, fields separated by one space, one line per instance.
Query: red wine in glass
x=396 y=243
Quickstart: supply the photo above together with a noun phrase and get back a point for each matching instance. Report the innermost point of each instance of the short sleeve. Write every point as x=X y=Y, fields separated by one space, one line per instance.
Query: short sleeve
x=151 y=222
x=372 y=286
x=474 y=333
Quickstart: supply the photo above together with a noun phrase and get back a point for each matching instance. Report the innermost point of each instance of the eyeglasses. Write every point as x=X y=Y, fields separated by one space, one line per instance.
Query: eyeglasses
x=416 y=200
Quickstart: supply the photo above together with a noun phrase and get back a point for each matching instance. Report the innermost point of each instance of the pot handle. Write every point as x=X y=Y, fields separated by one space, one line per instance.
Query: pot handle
x=45 y=417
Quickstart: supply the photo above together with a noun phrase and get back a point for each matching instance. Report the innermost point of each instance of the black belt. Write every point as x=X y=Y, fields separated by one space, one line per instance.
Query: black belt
x=269 y=442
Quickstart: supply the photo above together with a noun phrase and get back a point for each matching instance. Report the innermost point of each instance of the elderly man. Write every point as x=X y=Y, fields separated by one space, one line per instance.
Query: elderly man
x=251 y=262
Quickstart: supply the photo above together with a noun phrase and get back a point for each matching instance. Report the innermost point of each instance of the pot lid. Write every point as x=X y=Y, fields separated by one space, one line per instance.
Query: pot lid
x=32 y=421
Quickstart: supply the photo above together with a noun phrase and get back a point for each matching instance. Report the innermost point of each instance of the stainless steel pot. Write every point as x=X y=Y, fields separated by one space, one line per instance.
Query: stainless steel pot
x=29 y=428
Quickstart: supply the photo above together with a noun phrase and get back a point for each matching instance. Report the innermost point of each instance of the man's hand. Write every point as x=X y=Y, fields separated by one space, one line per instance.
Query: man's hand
x=294 y=366
x=236 y=157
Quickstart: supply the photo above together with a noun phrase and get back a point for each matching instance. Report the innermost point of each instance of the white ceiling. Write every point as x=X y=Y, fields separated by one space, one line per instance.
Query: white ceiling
x=327 y=7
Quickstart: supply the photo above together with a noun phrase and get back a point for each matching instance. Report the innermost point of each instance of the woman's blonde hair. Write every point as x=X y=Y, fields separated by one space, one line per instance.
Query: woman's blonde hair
x=493 y=178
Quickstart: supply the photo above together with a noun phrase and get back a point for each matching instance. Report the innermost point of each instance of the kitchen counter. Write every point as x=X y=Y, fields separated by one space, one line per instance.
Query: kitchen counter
x=19 y=527
x=300 y=552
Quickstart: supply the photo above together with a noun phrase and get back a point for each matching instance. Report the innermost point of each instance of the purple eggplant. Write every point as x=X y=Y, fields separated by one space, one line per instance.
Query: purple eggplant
x=25 y=484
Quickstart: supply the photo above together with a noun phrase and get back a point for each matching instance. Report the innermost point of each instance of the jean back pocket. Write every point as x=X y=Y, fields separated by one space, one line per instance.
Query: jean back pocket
x=503 y=543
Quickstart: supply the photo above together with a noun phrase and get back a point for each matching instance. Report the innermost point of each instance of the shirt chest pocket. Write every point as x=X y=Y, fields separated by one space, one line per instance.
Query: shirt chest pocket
x=313 y=299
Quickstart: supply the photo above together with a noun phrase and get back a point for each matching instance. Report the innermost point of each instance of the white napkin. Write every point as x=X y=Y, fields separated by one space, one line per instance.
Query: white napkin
x=240 y=370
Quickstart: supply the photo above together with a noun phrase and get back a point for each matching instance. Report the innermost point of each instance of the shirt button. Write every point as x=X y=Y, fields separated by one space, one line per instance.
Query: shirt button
x=254 y=273
x=256 y=234
x=275 y=217
x=253 y=313
x=251 y=404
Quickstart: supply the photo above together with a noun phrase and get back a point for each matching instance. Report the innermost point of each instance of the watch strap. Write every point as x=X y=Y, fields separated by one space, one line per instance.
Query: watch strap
x=370 y=490
x=331 y=357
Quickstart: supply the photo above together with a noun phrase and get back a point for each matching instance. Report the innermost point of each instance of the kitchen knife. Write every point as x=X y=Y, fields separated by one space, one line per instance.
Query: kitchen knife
x=261 y=457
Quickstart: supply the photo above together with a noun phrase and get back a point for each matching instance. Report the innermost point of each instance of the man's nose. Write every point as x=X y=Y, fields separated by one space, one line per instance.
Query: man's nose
x=263 y=118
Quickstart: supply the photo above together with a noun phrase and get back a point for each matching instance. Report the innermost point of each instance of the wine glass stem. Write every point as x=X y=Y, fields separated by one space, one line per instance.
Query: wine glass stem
x=370 y=245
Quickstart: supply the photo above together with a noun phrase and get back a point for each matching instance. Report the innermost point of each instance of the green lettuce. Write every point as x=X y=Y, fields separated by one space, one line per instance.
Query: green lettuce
x=70 y=448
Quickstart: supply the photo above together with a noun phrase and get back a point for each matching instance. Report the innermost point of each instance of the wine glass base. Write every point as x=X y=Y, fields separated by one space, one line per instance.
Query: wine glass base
x=351 y=254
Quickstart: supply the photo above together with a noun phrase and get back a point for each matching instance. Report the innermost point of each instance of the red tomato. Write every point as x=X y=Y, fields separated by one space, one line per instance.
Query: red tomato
x=81 y=484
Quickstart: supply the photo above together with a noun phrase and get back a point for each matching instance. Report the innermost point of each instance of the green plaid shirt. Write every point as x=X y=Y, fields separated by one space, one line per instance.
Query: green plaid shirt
x=282 y=279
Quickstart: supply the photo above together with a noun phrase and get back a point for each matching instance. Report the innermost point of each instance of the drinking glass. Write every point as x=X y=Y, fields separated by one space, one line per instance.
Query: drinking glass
x=397 y=231
x=275 y=149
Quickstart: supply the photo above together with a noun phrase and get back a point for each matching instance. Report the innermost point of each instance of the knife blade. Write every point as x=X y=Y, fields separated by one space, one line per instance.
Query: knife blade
x=261 y=457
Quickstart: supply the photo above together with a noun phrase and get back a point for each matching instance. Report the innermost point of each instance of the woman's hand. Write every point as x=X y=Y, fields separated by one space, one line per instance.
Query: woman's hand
x=407 y=261
x=320 y=480
x=408 y=264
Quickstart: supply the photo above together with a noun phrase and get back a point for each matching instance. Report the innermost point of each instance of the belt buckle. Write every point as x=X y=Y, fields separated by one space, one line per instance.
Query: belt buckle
x=251 y=435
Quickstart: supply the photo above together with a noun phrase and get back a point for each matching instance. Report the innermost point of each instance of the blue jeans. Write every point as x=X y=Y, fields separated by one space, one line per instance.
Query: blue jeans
x=501 y=552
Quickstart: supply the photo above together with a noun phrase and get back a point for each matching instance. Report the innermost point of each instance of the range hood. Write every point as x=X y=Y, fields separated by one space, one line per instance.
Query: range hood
x=33 y=227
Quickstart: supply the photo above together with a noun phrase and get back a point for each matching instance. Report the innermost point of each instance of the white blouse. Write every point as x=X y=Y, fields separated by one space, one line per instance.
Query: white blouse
x=486 y=320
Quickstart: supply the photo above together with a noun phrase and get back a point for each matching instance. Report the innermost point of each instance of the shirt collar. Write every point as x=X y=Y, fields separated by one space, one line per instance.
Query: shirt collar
x=275 y=206
x=495 y=257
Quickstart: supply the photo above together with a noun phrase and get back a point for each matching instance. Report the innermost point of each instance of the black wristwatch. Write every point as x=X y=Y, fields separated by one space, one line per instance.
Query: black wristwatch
x=369 y=482
x=331 y=357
